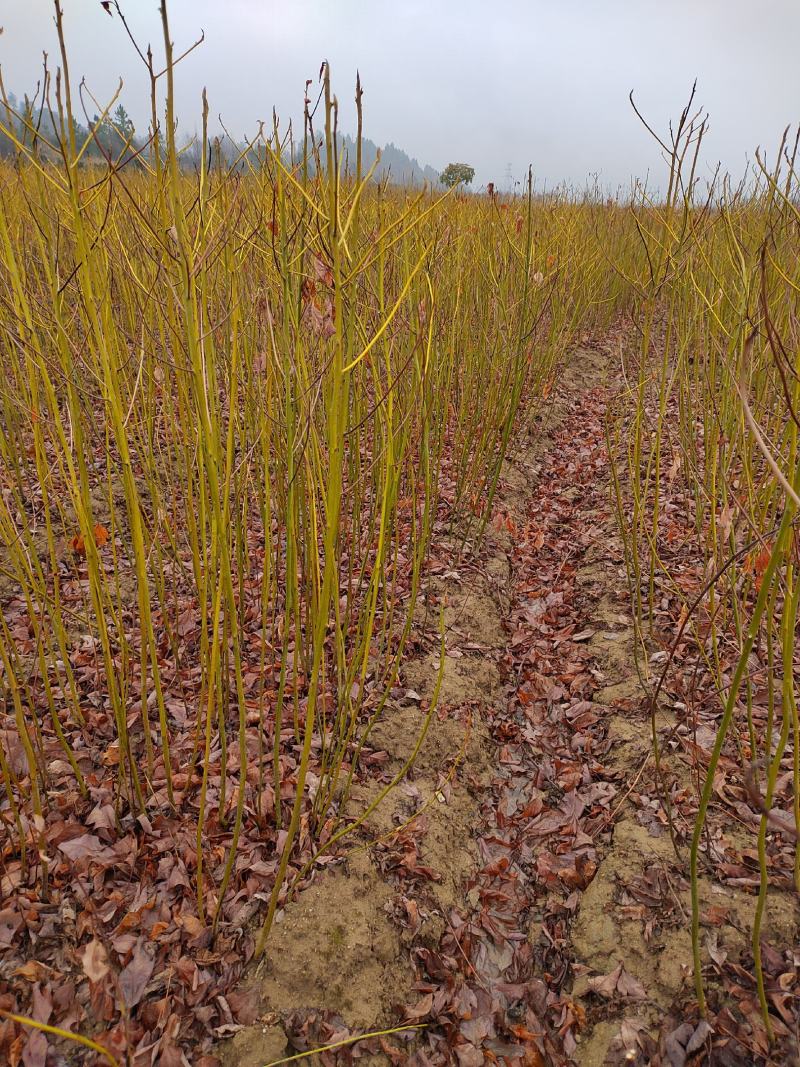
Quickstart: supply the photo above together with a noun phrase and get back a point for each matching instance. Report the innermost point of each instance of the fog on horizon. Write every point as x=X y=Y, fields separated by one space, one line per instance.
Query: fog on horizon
x=497 y=85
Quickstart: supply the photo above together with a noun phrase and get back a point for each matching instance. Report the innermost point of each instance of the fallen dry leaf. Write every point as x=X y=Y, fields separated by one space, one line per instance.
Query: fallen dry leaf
x=134 y=978
x=618 y=983
x=94 y=960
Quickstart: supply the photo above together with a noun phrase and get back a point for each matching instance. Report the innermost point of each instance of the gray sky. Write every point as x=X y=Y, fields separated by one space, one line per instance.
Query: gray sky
x=490 y=83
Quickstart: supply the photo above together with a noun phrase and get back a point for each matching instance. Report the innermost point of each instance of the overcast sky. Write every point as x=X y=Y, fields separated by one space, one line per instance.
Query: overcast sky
x=492 y=83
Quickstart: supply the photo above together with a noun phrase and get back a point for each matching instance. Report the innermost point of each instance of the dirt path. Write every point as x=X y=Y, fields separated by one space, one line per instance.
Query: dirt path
x=518 y=897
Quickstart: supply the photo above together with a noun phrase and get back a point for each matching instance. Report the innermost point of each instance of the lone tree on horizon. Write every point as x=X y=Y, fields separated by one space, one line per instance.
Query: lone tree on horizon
x=454 y=173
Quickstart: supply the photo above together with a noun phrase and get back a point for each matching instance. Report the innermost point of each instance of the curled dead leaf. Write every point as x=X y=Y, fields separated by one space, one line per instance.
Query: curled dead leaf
x=78 y=544
x=94 y=960
x=618 y=983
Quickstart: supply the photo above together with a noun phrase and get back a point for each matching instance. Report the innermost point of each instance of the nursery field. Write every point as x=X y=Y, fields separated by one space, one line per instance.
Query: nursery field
x=398 y=607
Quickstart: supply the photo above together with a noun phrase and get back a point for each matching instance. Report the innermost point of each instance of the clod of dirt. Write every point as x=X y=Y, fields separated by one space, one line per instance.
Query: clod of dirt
x=473 y=630
x=255 y=1046
x=477 y=679
x=451 y=747
x=605 y=933
x=336 y=949
x=602 y=935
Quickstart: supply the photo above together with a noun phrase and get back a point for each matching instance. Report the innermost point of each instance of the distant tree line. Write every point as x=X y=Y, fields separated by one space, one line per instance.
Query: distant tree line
x=112 y=136
x=35 y=127
x=394 y=164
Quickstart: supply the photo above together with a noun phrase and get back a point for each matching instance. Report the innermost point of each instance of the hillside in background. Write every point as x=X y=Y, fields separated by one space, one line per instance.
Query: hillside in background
x=111 y=134
x=395 y=163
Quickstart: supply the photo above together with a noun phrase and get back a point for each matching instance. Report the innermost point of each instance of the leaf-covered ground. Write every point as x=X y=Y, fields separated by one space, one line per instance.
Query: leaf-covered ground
x=517 y=901
x=566 y=940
